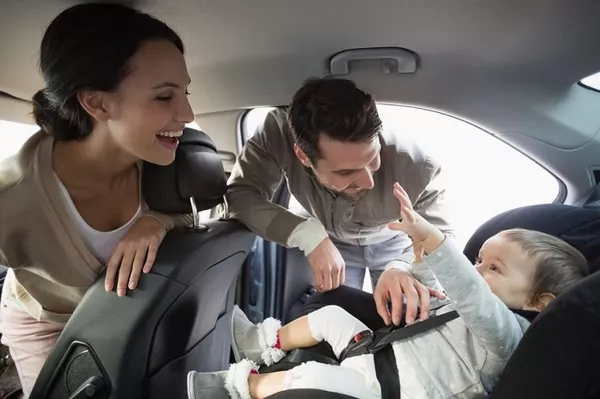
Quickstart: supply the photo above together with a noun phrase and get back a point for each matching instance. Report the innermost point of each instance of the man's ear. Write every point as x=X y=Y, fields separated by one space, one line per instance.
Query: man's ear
x=93 y=104
x=541 y=302
x=302 y=156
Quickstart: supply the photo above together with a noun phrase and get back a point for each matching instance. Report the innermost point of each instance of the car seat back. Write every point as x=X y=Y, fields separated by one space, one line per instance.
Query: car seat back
x=142 y=345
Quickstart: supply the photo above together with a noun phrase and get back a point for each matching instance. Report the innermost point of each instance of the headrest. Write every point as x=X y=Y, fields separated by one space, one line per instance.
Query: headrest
x=196 y=172
x=580 y=227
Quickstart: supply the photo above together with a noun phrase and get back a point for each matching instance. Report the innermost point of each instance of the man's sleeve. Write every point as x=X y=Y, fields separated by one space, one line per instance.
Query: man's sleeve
x=431 y=204
x=255 y=178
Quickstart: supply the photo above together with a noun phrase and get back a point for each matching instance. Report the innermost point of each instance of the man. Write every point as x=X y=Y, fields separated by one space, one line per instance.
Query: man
x=341 y=166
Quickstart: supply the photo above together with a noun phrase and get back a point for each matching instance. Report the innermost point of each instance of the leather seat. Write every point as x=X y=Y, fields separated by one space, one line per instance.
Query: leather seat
x=143 y=345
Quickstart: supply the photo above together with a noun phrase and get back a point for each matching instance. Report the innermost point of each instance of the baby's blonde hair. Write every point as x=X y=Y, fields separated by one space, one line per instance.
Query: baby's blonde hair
x=558 y=265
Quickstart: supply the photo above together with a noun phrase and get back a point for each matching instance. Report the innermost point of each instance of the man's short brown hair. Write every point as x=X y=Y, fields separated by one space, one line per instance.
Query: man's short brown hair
x=335 y=107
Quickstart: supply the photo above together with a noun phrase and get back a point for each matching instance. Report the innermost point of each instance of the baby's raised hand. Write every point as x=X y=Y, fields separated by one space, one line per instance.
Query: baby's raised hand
x=425 y=236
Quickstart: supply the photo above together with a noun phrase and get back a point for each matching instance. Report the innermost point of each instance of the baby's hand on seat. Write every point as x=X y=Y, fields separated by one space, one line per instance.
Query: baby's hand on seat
x=425 y=236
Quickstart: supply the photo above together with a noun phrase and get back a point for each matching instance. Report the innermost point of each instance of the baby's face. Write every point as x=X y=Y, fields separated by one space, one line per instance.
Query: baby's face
x=507 y=270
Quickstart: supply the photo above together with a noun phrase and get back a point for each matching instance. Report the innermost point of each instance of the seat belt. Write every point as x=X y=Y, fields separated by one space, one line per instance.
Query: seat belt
x=369 y=342
x=378 y=343
x=386 y=370
x=399 y=334
x=299 y=356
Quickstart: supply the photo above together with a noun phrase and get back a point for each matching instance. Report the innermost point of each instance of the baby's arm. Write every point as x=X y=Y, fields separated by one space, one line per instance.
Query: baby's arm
x=488 y=318
x=426 y=276
x=422 y=273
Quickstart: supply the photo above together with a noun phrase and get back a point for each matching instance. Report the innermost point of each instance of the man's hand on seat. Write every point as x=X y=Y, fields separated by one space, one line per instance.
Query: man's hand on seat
x=327 y=266
x=392 y=286
x=136 y=252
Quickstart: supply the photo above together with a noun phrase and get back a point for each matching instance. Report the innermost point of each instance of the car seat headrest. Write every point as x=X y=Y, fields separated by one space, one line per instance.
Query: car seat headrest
x=196 y=179
x=580 y=227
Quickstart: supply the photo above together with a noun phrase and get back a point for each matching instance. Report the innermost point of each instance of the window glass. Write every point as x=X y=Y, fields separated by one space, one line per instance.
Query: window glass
x=484 y=175
x=592 y=81
x=12 y=137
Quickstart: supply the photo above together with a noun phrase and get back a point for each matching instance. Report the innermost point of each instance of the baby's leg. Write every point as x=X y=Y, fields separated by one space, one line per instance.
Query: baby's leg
x=296 y=335
x=335 y=326
x=330 y=323
x=267 y=342
x=356 y=377
x=312 y=375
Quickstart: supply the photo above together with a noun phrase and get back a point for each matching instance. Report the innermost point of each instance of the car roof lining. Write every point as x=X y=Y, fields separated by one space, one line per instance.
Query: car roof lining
x=508 y=66
x=264 y=42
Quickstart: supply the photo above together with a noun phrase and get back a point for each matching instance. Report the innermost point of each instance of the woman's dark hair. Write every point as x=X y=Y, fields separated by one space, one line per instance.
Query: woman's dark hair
x=335 y=107
x=88 y=47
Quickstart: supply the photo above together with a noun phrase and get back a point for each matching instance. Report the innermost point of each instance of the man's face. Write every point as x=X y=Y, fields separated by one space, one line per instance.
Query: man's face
x=345 y=167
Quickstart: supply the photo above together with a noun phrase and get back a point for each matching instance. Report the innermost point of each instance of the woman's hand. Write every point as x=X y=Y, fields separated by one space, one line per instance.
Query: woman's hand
x=425 y=236
x=135 y=253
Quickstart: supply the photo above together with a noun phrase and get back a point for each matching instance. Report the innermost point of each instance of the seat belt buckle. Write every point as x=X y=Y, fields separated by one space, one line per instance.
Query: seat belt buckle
x=360 y=344
x=359 y=337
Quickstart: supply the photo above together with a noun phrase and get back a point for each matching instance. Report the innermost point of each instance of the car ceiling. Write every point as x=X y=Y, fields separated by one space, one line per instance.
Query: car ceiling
x=509 y=66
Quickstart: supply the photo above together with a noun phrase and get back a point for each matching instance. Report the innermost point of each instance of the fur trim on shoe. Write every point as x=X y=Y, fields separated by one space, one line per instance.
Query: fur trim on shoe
x=236 y=382
x=267 y=339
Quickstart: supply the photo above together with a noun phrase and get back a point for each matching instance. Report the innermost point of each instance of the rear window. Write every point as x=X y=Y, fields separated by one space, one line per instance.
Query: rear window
x=12 y=137
x=485 y=176
x=592 y=82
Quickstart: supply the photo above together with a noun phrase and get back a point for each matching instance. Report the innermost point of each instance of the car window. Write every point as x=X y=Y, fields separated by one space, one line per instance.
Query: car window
x=12 y=136
x=484 y=175
x=592 y=81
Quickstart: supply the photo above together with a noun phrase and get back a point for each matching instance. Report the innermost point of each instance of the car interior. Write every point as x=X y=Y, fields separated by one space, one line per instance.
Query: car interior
x=517 y=71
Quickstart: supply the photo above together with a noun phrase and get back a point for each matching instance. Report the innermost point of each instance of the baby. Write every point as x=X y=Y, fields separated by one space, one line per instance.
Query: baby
x=516 y=270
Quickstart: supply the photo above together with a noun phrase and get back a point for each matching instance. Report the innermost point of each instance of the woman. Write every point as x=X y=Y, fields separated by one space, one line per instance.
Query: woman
x=70 y=200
